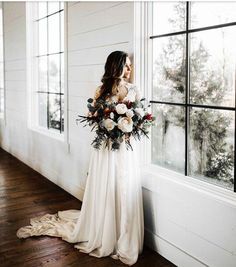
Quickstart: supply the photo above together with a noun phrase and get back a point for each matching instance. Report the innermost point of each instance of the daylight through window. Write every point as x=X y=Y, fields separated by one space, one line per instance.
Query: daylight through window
x=50 y=65
x=193 y=95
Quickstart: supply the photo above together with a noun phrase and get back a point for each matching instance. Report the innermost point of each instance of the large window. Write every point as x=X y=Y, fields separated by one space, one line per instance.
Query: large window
x=47 y=70
x=193 y=92
x=1 y=66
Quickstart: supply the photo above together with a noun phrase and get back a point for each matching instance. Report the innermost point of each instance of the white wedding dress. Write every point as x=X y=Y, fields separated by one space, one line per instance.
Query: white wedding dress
x=110 y=222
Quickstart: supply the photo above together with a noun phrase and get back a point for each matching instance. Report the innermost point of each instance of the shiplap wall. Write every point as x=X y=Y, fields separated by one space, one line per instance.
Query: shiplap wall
x=94 y=30
x=186 y=225
x=15 y=130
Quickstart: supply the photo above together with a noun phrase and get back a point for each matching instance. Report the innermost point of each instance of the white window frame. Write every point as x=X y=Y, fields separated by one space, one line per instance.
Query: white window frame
x=3 y=114
x=32 y=75
x=152 y=174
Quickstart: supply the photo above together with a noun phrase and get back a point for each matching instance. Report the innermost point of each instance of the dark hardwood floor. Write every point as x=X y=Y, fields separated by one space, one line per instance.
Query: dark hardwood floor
x=24 y=194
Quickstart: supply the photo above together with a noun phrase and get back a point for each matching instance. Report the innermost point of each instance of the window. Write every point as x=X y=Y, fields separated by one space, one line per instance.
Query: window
x=1 y=66
x=46 y=69
x=193 y=89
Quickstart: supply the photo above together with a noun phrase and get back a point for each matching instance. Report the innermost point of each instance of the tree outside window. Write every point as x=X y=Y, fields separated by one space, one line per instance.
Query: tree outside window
x=194 y=59
x=50 y=62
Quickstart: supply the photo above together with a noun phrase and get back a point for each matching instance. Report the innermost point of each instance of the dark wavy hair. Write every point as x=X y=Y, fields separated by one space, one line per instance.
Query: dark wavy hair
x=113 y=70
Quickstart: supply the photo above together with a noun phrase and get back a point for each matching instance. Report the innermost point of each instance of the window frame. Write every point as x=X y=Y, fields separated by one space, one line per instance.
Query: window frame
x=32 y=75
x=152 y=173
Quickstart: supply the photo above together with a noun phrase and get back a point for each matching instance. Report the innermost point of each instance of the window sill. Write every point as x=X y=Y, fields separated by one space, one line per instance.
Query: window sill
x=53 y=135
x=49 y=133
x=154 y=175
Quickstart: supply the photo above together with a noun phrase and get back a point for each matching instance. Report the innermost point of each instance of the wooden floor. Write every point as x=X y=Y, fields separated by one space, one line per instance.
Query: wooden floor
x=24 y=194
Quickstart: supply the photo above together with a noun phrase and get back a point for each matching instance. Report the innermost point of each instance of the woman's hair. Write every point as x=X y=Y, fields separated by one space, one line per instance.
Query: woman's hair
x=113 y=70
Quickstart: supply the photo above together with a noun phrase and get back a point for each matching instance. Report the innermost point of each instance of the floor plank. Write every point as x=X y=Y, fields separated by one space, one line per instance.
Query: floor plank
x=24 y=194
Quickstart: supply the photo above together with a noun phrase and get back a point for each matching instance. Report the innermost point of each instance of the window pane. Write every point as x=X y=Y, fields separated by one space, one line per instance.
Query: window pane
x=54 y=73
x=53 y=7
x=168 y=137
x=42 y=36
x=212 y=67
x=211 y=148
x=42 y=109
x=62 y=30
x=53 y=33
x=168 y=17
x=54 y=112
x=61 y=5
x=205 y=14
x=169 y=69
x=62 y=73
x=42 y=9
x=43 y=73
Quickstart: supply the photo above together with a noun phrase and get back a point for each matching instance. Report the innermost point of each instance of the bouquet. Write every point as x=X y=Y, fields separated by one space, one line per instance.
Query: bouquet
x=116 y=122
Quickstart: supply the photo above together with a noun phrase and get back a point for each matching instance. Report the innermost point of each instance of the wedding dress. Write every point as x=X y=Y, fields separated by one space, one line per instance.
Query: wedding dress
x=110 y=222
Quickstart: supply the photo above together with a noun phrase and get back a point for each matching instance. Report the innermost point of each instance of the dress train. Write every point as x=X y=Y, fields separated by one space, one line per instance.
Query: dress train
x=110 y=222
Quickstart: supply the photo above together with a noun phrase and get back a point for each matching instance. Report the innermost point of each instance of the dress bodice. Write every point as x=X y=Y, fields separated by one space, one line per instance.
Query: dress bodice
x=132 y=93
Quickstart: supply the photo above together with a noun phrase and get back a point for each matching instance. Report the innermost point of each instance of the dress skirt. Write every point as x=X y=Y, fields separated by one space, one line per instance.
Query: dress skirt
x=110 y=222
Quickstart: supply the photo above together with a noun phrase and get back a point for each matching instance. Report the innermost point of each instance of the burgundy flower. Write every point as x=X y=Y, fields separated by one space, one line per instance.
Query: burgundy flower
x=148 y=117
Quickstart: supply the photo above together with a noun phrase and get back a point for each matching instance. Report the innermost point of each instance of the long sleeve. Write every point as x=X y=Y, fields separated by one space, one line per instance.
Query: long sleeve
x=96 y=95
x=138 y=94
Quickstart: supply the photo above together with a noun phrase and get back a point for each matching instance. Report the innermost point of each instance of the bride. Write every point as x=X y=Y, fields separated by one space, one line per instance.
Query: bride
x=110 y=222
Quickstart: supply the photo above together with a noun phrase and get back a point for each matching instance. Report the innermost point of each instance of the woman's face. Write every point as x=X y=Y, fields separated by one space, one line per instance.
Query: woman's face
x=127 y=69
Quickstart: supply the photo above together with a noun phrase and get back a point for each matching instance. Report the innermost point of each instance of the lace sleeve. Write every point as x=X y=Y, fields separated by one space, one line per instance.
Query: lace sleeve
x=138 y=94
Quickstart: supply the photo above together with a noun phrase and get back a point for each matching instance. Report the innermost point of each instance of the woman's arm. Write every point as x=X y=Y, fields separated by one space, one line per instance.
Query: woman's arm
x=138 y=94
x=96 y=95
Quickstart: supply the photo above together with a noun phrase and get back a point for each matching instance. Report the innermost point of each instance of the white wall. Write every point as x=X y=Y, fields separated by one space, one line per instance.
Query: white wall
x=94 y=30
x=184 y=223
x=188 y=223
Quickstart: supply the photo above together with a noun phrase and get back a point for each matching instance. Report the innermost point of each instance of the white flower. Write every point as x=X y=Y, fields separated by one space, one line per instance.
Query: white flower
x=129 y=113
x=130 y=96
x=109 y=124
x=121 y=108
x=112 y=115
x=125 y=124
x=139 y=111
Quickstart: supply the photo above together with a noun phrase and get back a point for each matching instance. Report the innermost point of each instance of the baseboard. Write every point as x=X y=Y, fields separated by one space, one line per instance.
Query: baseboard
x=169 y=251
x=48 y=173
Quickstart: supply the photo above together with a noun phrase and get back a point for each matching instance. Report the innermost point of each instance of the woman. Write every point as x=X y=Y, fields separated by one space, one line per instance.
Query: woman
x=110 y=222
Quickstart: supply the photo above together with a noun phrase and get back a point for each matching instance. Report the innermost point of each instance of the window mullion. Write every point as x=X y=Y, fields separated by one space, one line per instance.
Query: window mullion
x=187 y=83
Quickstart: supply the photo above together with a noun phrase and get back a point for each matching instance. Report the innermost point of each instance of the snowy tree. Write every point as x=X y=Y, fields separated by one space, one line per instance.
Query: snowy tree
x=208 y=127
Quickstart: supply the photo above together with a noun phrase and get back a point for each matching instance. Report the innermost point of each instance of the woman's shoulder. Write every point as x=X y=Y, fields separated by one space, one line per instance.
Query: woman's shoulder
x=98 y=87
x=97 y=91
x=133 y=91
x=130 y=85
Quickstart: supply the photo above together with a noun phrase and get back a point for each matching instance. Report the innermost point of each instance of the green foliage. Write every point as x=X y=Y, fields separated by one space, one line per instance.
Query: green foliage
x=101 y=110
x=220 y=166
